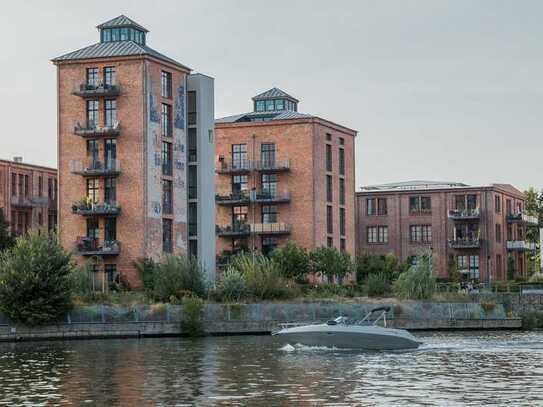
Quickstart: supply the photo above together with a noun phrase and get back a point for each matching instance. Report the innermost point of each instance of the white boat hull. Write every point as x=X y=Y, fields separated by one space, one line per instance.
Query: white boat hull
x=370 y=337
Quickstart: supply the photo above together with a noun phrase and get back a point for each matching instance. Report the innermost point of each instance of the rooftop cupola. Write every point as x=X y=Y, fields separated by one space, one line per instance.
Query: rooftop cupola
x=275 y=100
x=122 y=29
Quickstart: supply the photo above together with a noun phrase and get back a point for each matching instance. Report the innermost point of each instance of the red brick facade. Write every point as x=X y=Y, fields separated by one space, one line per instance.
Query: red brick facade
x=480 y=228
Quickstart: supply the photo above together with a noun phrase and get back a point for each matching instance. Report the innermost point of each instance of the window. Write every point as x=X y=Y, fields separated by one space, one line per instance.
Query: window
x=329 y=241
x=92 y=77
x=279 y=104
x=269 y=214
x=341 y=141
x=110 y=229
x=110 y=190
x=167 y=165
x=473 y=267
x=239 y=155
x=115 y=34
x=468 y=231
x=328 y=137
x=166 y=82
x=92 y=228
x=267 y=154
x=92 y=150
x=377 y=234
x=498 y=233
x=260 y=106
x=27 y=189
x=51 y=221
x=420 y=233
x=92 y=113
x=40 y=219
x=239 y=217
x=239 y=184
x=50 y=190
x=342 y=221
x=463 y=202
x=167 y=244
x=110 y=153
x=499 y=266
x=167 y=193
x=341 y=191
x=166 y=120
x=269 y=185
x=192 y=145
x=329 y=220
x=106 y=35
x=110 y=77
x=21 y=180
x=110 y=112
x=329 y=192
x=420 y=205
x=509 y=232
x=341 y=161
x=92 y=189
x=193 y=182
x=13 y=184
x=111 y=272
x=508 y=207
x=328 y=157
x=193 y=248
x=124 y=34
x=342 y=245
x=193 y=219
x=191 y=107
x=269 y=244
x=376 y=206
x=497 y=203
x=40 y=186
x=270 y=106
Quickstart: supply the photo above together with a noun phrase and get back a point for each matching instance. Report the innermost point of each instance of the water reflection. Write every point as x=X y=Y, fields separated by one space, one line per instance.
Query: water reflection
x=450 y=369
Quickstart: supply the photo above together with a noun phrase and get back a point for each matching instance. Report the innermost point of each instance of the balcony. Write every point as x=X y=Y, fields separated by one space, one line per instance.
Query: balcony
x=520 y=245
x=268 y=197
x=234 y=167
x=84 y=208
x=465 y=214
x=467 y=243
x=101 y=89
x=241 y=198
x=273 y=165
x=88 y=246
x=92 y=131
x=233 y=230
x=271 y=228
x=22 y=201
x=522 y=218
x=95 y=168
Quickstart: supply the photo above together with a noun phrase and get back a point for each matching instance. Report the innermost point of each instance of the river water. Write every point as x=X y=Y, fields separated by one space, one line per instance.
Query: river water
x=451 y=368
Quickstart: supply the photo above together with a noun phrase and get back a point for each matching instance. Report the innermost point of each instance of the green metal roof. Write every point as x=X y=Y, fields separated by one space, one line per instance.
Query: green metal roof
x=121 y=21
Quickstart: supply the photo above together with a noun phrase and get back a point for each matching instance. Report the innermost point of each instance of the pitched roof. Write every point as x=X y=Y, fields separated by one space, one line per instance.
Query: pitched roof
x=274 y=93
x=121 y=21
x=277 y=115
x=116 y=49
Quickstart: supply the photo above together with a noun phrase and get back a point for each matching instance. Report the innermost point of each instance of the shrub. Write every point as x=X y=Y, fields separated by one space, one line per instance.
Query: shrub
x=232 y=286
x=175 y=278
x=293 y=261
x=388 y=265
x=35 y=280
x=536 y=278
x=332 y=290
x=417 y=283
x=329 y=262
x=193 y=309
x=146 y=268
x=377 y=284
x=6 y=238
x=532 y=320
x=80 y=280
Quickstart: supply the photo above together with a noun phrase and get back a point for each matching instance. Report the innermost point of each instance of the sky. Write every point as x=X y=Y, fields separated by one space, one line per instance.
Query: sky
x=438 y=90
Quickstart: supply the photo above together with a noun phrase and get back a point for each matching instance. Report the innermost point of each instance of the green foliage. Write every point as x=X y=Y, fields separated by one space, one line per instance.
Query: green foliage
x=378 y=285
x=193 y=309
x=532 y=320
x=417 y=283
x=369 y=264
x=510 y=268
x=173 y=279
x=6 y=238
x=454 y=274
x=80 y=280
x=332 y=291
x=146 y=268
x=293 y=261
x=35 y=280
x=330 y=262
x=536 y=278
x=232 y=287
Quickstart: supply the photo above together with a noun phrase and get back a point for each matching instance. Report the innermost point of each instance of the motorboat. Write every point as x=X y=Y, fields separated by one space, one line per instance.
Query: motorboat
x=343 y=332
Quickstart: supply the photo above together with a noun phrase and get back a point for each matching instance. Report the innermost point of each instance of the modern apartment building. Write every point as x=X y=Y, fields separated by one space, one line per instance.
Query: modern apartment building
x=481 y=229
x=127 y=118
x=283 y=175
x=28 y=196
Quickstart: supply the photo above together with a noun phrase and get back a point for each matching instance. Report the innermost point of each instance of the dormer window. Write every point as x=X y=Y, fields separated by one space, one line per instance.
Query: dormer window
x=123 y=34
x=274 y=105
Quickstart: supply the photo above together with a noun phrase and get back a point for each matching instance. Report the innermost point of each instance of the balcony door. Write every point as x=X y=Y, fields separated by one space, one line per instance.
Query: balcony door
x=110 y=153
x=239 y=155
x=267 y=155
x=269 y=185
x=239 y=217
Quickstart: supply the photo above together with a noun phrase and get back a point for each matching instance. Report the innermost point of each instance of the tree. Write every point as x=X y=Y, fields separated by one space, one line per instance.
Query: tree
x=417 y=283
x=293 y=261
x=36 y=280
x=6 y=238
x=533 y=204
x=368 y=264
x=329 y=262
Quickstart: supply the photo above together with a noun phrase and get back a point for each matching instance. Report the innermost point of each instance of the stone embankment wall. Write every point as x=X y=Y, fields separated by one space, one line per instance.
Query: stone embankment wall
x=99 y=321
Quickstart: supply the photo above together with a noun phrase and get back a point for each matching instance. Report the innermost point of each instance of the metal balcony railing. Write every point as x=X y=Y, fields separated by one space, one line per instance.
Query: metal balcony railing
x=273 y=165
x=233 y=230
x=464 y=214
x=271 y=228
x=21 y=201
x=523 y=218
x=466 y=243
x=97 y=131
x=520 y=245
x=232 y=167
x=95 y=168
x=242 y=197
x=88 y=246
x=96 y=209
x=265 y=196
x=96 y=90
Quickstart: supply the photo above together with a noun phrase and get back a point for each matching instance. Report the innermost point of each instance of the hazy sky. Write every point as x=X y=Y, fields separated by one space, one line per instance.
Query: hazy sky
x=439 y=90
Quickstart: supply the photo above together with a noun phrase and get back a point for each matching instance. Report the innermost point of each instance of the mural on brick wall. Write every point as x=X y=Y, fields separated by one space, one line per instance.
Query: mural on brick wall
x=180 y=170
x=154 y=156
x=179 y=122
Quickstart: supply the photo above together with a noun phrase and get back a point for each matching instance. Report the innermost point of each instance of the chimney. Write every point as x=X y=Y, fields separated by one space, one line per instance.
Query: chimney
x=18 y=159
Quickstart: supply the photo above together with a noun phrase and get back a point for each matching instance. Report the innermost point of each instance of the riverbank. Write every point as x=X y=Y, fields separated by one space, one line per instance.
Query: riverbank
x=141 y=320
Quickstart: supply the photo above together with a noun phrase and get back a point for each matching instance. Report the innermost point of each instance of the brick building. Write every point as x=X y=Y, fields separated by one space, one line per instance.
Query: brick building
x=283 y=175
x=28 y=196
x=481 y=228
x=126 y=117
